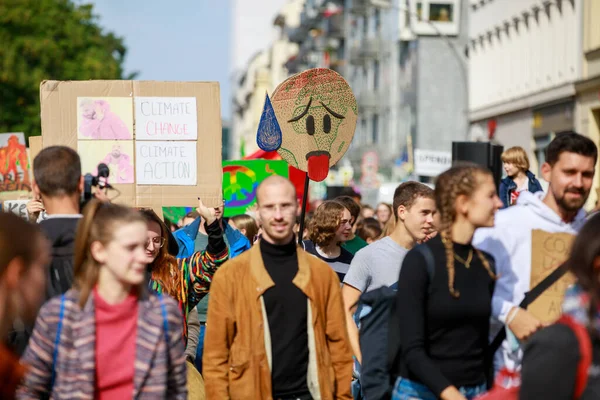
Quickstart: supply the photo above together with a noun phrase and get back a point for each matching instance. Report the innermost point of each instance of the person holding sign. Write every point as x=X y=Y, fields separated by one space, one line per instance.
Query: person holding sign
x=443 y=302
x=569 y=169
x=187 y=280
x=552 y=356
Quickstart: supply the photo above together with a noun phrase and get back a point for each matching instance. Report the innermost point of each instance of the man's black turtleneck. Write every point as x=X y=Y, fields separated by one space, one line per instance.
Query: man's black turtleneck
x=287 y=312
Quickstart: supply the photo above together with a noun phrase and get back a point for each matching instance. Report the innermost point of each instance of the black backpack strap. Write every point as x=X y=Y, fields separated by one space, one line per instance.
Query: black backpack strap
x=529 y=298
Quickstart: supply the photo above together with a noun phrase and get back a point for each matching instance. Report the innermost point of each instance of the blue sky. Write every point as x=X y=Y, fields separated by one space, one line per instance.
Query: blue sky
x=174 y=40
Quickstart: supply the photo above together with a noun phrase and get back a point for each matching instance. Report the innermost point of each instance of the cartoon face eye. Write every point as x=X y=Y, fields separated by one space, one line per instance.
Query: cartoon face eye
x=326 y=123
x=310 y=125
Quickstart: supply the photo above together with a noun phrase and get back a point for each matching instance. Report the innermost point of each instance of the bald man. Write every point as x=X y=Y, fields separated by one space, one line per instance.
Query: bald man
x=276 y=326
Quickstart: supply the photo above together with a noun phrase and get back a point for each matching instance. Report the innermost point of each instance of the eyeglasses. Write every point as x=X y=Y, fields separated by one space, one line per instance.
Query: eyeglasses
x=157 y=242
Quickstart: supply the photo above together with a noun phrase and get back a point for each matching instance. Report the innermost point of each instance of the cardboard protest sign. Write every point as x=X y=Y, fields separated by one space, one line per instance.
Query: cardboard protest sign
x=316 y=115
x=241 y=179
x=35 y=146
x=166 y=163
x=548 y=251
x=166 y=118
x=19 y=208
x=104 y=118
x=14 y=165
x=116 y=154
x=95 y=114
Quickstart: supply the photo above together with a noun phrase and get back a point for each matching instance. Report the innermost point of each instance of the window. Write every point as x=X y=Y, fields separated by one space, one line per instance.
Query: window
x=376 y=74
x=419 y=11
x=432 y=17
x=375 y=128
x=441 y=12
x=377 y=20
x=365 y=26
x=363 y=131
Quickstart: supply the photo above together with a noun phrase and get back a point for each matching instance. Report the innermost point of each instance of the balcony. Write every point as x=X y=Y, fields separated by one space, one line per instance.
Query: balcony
x=361 y=7
x=369 y=49
x=368 y=100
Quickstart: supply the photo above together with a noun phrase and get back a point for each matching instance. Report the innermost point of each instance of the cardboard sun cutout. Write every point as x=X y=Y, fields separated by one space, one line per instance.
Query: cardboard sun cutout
x=310 y=120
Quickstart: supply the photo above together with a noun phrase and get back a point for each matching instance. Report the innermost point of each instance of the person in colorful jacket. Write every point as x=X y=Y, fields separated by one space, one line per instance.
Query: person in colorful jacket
x=188 y=279
x=107 y=337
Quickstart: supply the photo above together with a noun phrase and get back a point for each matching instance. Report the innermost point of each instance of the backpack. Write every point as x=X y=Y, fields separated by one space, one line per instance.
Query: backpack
x=379 y=336
x=585 y=349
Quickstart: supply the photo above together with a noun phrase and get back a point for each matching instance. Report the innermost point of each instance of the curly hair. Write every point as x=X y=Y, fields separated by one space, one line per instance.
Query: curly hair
x=164 y=268
x=460 y=180
x=325 y=223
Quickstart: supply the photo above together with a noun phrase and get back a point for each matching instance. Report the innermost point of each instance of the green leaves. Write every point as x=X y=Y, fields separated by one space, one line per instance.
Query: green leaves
x=49 y=39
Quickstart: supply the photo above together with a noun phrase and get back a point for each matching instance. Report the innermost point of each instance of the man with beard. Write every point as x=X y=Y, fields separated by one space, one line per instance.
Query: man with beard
x=569 y=169
x=276 y=327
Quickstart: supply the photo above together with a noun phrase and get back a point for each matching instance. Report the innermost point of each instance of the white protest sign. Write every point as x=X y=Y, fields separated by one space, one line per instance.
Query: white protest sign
x=19 y=207
x=432 y=162
x=165 y=163
x=166 y=118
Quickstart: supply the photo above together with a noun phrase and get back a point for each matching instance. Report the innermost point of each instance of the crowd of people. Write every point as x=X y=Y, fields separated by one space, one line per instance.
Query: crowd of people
x=112 y=302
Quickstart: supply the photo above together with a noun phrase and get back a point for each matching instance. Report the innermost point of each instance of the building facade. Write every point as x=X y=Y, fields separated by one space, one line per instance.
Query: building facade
x=434 y=73
x=587 y=107
x=525 y=58
x=264 y=71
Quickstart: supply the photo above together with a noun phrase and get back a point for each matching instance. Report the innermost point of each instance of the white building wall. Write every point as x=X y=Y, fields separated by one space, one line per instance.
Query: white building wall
x=512 y=56
x=264 y=71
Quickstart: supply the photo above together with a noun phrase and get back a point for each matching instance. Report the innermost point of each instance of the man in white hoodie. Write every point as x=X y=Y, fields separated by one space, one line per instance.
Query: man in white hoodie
x=569 y=169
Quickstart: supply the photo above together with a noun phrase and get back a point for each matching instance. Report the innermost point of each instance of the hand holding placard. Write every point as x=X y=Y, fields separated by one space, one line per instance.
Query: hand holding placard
x=209 y=215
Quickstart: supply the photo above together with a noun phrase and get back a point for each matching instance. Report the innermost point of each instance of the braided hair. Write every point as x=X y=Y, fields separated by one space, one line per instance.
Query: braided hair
x=462 y=179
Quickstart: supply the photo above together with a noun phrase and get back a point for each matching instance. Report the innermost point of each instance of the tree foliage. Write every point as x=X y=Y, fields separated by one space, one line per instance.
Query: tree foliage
x=49 y=40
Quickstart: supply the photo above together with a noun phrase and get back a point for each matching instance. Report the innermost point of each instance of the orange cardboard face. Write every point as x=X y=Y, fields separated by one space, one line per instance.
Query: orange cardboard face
x=316 y=112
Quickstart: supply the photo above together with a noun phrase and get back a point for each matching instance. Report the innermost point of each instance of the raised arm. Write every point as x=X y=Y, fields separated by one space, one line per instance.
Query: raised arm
x=200 y=267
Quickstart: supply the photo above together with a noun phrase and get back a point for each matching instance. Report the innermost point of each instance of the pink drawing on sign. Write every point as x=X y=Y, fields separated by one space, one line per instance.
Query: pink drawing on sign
x=120 y=166
x=99 y=122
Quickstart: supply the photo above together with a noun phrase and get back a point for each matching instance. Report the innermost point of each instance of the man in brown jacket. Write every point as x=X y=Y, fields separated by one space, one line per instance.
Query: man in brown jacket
x=276 y=326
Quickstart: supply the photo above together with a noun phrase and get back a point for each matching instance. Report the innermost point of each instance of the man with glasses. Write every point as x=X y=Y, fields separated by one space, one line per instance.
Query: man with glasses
x=276 y=326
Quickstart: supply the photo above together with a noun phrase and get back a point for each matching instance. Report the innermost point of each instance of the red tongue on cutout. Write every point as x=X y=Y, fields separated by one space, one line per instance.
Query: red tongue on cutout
x=318 y=167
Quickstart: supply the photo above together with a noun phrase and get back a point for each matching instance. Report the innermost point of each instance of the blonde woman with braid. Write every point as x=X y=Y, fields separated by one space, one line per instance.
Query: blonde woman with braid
x=443 y=303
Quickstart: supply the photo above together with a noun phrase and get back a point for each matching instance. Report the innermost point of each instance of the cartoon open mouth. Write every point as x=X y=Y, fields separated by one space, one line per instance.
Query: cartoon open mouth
x=318 y=165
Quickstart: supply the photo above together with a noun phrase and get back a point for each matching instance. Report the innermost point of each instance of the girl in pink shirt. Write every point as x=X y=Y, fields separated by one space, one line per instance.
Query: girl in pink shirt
x=107 y=338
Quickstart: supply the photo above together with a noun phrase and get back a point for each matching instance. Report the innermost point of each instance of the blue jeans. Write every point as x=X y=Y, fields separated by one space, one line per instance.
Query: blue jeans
x=200 y=349
x=405 y=389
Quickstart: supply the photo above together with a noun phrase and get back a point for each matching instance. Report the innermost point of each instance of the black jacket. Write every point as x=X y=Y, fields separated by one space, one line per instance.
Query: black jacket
x=550 y=364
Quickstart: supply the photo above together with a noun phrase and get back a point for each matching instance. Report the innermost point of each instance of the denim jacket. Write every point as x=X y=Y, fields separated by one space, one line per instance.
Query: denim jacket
x=508 y=185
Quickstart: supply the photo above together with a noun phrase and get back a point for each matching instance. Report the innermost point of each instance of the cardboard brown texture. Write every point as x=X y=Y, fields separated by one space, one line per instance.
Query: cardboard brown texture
x=35 y=146
x=59 y=127
x=548 y=251
x=317 y=113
